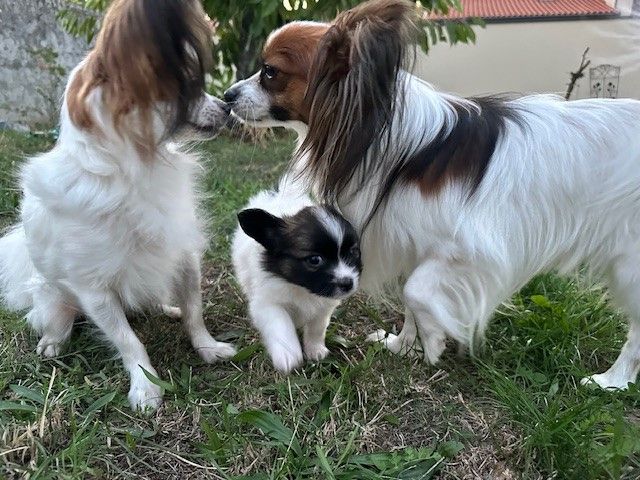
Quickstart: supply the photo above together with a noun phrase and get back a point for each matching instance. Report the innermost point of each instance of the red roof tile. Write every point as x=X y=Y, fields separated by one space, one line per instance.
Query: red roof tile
x=505 y=9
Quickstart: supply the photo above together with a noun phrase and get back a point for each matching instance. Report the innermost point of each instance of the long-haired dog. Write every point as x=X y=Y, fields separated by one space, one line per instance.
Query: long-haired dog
x=464 y=199
x=108 y=217
x=295 y=261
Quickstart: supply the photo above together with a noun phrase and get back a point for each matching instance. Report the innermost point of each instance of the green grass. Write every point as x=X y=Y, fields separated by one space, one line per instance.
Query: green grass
x=515 y=412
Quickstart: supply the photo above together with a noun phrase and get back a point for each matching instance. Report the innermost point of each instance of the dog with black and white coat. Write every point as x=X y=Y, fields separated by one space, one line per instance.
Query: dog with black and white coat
x=295 y=261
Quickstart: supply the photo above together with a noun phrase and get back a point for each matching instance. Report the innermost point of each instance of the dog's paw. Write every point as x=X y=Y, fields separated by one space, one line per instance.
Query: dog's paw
x=606 y=382
x=211 y=351
x=286 y=359
x=171 y=312
x=316 y=351
x=49 y=347
x=394 y=343
x=145 y=396
x=433 y=347
x=379 y=336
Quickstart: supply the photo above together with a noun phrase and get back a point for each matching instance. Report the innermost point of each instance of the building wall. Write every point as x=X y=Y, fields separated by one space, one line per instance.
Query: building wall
x=35 y=56
x=536 y=57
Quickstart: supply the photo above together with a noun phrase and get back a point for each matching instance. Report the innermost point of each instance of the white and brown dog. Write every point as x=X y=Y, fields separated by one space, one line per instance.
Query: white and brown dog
x=108 y=219
x=464 y=199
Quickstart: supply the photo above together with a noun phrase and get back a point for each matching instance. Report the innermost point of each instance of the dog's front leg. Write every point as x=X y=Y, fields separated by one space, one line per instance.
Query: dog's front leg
x=189 y=296
x=278 y=334
x=104 y=309
x=314 y=332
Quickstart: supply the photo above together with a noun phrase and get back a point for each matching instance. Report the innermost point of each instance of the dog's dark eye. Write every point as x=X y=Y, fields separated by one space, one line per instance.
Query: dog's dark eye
x=269 y=72
x=314 y=261
x=355 y=251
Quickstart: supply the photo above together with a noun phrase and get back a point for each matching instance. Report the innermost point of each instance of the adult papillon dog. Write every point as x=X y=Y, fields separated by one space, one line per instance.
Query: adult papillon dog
x=108 y=220
x=464 y=200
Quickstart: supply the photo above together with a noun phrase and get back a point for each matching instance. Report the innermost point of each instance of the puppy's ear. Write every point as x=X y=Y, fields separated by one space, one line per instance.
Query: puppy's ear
x=264 y=228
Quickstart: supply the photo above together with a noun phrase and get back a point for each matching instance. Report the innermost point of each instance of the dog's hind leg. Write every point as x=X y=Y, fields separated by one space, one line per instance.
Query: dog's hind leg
x=624 y=285
x=449 y=298
x=52 y=316
x=189 y=296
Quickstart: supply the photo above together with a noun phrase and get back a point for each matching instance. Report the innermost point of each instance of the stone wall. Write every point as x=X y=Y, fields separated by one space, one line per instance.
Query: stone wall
x=35 y=57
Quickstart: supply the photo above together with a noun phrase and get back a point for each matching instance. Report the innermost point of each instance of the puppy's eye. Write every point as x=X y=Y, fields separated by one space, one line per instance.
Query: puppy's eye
x=314 y=261
x=355 y=251
x=269 y=72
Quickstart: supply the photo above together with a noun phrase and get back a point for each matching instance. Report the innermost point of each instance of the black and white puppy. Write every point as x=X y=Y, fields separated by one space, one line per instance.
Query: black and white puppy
x=295 y=261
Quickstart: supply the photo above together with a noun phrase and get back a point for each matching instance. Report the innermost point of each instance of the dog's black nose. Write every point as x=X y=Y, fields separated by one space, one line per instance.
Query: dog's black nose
x=231 y=95
x=345 y=284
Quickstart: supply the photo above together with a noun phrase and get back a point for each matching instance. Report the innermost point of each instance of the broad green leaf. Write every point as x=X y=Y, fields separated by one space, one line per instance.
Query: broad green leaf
x=541 y=301
x=272 y=426
x=28 y=393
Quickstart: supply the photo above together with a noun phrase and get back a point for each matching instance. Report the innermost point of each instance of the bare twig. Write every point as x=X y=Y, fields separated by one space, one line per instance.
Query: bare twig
x=578 y=74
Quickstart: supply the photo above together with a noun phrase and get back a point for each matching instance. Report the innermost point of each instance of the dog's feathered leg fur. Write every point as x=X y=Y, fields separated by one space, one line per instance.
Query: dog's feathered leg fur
x=624 y=285
x=188 y=293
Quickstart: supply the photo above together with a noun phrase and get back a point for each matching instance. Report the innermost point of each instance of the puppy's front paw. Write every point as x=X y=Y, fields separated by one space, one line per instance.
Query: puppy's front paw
x=286 y=358
x=315 y=351
x=210 y=350
x=145 y=397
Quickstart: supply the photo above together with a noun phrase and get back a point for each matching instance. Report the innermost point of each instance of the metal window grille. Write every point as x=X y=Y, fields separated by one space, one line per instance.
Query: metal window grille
x=604 y=80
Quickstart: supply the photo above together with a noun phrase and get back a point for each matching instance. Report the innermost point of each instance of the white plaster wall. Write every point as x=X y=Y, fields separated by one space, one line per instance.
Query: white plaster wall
x=535 y=57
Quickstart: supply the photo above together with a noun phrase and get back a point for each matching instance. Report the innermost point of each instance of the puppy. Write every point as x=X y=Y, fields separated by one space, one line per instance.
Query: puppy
x=108 y=218
x=464 y=200
x=295 y=261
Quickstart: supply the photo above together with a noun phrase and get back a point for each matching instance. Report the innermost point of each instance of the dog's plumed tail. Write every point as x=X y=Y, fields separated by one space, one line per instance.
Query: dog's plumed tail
x=16 y=270
x=352 y=91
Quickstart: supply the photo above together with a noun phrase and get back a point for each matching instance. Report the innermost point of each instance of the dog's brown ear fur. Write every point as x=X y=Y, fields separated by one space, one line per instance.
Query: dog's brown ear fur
x=147 y=51
x=352 y=89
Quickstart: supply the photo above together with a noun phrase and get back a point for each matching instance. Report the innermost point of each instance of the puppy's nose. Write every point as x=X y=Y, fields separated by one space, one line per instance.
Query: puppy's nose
x=231 y=95
x=345 y=284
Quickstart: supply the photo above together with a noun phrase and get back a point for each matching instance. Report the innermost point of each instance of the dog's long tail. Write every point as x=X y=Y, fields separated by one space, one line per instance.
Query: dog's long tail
x=16 y=270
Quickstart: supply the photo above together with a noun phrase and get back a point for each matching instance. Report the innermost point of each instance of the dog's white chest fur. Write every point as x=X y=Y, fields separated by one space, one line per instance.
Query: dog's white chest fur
x=125 y=231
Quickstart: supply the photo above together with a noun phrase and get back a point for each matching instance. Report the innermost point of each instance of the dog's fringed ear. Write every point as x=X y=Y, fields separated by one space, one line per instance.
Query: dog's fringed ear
x=352 y=88
x=374 y=27
x=264 y=228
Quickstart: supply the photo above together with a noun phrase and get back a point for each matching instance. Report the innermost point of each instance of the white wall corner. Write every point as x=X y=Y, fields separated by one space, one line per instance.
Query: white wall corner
x=625 y=7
